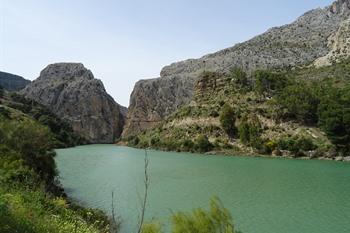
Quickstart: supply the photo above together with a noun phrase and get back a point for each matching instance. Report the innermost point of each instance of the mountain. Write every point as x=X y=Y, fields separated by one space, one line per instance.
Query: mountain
x=71 y=92
x=303 y=112
x=11 y=82
x=319 y=37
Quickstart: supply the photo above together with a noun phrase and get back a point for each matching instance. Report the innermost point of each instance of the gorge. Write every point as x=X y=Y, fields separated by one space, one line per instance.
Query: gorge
x=263 y=125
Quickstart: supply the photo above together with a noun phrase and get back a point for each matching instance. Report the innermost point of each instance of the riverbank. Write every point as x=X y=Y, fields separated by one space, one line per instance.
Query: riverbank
x=283 y=154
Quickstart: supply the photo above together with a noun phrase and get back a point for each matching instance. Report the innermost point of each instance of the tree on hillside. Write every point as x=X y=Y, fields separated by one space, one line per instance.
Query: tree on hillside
x=240 y=77
x=334 y=116
x=268 y=83
x=300 y=102
x=228 y=119
x=249 y=131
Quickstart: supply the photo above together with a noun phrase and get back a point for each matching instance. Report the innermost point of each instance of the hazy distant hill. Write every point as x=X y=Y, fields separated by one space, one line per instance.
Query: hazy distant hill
x=12 y=82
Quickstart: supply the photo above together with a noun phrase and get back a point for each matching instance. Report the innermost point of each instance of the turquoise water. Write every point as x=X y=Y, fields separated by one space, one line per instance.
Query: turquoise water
x=264 y=195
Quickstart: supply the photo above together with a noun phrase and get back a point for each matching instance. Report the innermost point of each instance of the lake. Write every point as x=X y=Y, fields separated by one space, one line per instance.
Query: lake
x=264 y=195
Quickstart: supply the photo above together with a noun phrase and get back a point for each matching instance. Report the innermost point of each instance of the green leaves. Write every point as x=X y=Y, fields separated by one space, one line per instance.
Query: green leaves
x=203 y=144
x=300 y=102
x=334 y=116
x=228 y=119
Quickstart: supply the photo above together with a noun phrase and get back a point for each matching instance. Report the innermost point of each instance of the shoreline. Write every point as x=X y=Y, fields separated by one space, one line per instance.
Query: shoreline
x=345 y=159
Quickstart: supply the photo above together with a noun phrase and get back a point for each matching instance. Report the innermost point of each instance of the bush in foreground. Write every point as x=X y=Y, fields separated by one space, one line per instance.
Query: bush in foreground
x=215 y=220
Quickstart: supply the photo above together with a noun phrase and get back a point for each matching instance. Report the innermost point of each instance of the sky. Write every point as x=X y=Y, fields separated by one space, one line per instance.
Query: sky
x=123 y=41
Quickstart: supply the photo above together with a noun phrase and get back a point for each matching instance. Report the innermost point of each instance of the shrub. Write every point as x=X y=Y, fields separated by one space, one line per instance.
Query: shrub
x=203 y=144
x=249 y=131
x=334 y=116
x=267 y=82
x=296 y=144
x=34 y=144
x=227 y=120
x=270 y=146
x=216 y=219
x=299 y=102
x=240 y=77
x=188 y=145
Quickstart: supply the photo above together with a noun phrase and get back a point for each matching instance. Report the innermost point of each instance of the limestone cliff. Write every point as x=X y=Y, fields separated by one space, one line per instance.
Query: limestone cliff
x=70 y=91
x=295 y=44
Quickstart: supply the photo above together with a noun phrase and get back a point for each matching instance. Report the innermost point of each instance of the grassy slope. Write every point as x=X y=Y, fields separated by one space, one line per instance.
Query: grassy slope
x=201 y=117
x=26 y=205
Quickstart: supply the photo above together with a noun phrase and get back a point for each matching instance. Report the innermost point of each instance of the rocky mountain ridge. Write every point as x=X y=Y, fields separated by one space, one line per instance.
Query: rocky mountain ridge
x=297 y=44
x=11 y=82
x=71 y=92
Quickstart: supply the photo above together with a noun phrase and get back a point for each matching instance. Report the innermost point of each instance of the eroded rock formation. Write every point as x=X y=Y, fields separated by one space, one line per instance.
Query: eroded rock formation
x=71 y=92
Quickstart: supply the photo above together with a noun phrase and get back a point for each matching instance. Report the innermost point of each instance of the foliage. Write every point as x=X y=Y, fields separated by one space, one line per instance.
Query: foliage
x=203 y=144
x=32 y=143
x=30 y=200
x=215 y=220
x=228 y=119
x=249 y=131
x=151 y=228
x=296 y=144
x=269 y=83
x=240 y=77
x=62 y=131
x=300 y=102
x=334 y=116
x=33 y=211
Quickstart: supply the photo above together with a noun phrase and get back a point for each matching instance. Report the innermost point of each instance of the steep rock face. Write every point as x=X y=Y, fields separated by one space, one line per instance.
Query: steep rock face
x=71 y=92
x=295 y=44
x=339 y=44
x=12 y=82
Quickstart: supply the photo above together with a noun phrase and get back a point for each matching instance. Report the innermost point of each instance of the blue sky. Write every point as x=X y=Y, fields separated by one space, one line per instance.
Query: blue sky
x=124 y=41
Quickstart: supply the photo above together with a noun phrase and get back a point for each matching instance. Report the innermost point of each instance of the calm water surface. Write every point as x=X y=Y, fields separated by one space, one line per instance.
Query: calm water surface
x=264 y=195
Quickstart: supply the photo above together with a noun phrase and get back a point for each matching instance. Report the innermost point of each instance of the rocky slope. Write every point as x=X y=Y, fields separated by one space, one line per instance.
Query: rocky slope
x=71 y=92
x=296 y=44
x=299 y=113
x=11 y=82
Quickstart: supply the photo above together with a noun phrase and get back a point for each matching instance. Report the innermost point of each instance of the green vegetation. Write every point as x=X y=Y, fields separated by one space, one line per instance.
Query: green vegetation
x=203 y=144
x=299 y=101
x=296 y=144
x=240 y=77
x=228 y=119
x=30 y=198
x=216 y=219
x=63 y=132
x=249 y=131
x=324 y=103
x=334 y=116
x=269 y=83
x=237 y=112
x=32 y=210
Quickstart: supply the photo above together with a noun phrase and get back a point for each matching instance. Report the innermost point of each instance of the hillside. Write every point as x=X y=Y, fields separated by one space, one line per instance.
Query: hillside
x=11 y=82
x=295 y=113
x=31 y=199
x=62 y=132
x=318 y=37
